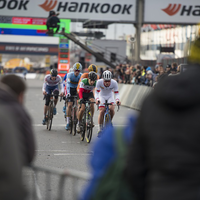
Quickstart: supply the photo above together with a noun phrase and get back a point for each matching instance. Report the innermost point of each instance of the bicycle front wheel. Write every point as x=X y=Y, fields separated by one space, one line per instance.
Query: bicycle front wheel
x=50 y=116
x=107 y=119
x=89 y=128
x=74 y=122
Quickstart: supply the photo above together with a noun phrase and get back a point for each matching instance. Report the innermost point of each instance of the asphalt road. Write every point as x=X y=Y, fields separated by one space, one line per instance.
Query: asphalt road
x=57 y=148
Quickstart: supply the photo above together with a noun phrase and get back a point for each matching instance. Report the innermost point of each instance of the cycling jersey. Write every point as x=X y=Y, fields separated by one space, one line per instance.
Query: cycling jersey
x=72 y=81
x=103 y=93
x=85 y=75
x=85 y=87
x=52 y=83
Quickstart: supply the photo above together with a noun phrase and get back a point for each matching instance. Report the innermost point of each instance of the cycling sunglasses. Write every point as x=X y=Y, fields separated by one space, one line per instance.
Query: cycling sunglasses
x=107 y=81
x=77 y=70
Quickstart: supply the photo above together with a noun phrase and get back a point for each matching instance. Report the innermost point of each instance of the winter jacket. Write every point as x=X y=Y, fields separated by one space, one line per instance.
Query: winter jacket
x=163 y=161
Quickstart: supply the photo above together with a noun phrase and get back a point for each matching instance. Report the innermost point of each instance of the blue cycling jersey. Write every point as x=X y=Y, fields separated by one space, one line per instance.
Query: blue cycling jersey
x=72 y=80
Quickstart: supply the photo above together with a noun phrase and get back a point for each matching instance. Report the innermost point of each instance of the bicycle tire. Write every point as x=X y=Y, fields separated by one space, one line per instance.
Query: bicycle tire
x=74 y=122
x=89 y=128
x=51 y=116
x=82 y=135
x=71 y=124
x=48 y=116
x=107 y=119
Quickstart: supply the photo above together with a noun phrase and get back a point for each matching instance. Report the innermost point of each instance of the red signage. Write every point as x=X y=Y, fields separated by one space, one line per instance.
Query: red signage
x=28 y=21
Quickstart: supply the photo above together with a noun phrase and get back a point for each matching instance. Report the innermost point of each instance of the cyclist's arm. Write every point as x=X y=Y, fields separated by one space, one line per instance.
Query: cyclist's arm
x=68 y=83
x=61 y=86
x=116 y=91
x=97 y=91
x=64 y=80
x=44 y=84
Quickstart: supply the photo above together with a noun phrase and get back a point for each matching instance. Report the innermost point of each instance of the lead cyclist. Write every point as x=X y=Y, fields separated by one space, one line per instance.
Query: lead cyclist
x=105 y=89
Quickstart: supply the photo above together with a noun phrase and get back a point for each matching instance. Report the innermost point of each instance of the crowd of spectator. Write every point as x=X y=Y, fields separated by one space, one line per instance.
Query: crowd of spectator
x=142 y=75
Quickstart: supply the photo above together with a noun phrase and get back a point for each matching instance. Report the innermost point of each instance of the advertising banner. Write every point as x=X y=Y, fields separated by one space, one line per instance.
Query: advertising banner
x=102 y=10
x=172 y=11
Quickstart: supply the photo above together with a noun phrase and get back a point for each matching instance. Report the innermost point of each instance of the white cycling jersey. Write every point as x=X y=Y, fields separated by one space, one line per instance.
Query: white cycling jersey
x=103 y=93
x=48 y=81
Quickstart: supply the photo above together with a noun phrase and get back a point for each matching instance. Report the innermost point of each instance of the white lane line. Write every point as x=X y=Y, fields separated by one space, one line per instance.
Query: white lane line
x=72 y=154
x=53 y=150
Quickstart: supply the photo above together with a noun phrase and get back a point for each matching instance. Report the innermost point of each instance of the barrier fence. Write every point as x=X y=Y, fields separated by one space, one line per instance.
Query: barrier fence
x=46 y=183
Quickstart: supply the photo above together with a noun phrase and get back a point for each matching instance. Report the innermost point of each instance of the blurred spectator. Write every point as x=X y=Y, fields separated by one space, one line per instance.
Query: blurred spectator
x=163 y=161
x=104 y=152
x=17 y=146
x=174 y=66
x=168 y=68
x=150 y=80
x=127 y=75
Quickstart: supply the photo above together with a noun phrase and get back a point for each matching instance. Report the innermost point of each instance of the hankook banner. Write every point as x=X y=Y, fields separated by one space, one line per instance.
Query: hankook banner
x=100 y=10
x=172 y=11
x=32 y=49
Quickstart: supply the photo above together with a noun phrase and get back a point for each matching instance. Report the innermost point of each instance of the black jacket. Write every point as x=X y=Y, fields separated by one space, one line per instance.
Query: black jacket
x=164 y=158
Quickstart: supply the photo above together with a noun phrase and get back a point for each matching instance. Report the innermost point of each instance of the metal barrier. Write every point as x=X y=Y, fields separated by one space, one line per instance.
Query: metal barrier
x=46 y=183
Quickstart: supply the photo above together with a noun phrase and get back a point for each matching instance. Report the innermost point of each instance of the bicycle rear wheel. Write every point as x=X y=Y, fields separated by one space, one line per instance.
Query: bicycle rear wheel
x=89 y=128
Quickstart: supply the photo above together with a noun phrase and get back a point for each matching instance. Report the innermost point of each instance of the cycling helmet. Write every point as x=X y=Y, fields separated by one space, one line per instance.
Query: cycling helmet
x=92 y=68
x=77 y=66
x=54 y=72
x=107 y=75
x=92 y=76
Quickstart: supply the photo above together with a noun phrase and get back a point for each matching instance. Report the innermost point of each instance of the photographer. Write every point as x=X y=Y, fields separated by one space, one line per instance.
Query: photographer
x=53 y=21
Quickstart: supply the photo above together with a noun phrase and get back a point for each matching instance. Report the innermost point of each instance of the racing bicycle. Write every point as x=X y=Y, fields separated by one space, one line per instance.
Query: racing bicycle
x=87 y=122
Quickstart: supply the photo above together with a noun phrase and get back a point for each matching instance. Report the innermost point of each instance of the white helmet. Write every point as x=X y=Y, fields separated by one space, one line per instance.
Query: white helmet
x=107 y=75
x=77 y=66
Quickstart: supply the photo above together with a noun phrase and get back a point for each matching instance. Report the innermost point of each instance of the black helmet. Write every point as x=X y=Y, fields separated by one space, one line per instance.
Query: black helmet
x=54 y=72
x=92 y=76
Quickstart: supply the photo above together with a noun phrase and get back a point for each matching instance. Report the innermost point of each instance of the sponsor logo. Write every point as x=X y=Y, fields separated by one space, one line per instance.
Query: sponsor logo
x=77 y=65
x=172 y=9
x=189 y=10
x=49 y=5
x=86 y=7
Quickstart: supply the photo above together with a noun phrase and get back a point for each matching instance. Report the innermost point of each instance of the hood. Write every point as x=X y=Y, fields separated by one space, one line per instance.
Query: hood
x=6 y=94
x=180 y=91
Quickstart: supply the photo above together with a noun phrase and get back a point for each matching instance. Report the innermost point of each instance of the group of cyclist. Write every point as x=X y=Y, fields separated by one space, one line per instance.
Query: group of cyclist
x=82 y=84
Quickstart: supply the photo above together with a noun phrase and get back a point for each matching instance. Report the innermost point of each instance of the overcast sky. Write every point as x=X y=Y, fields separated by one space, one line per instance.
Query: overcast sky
x=114 y=31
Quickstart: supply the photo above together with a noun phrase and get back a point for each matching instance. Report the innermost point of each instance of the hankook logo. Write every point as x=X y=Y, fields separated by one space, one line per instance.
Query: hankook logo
x=185 y=10
x=172 y=9
x=86 y=7
x=49 y=5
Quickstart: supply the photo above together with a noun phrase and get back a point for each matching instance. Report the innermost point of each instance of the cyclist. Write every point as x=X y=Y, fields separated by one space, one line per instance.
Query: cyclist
x=104 y=91
x=50 y=84
x=65 y=87
x=91 y=68
x=72 y=82
x=87 y=86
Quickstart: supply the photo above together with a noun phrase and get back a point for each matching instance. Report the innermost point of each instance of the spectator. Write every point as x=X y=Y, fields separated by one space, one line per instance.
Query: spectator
x=53 y=21
x=104 y=152
x=163 y=161
x=168 y=68
x=150 y=80
x=17 y=147
x=127 y=75
x=174 y=66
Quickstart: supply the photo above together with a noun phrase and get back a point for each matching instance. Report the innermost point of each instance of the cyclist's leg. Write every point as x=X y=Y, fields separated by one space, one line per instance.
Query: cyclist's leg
x=112 y=108
x=46 y=107
x=80 y=113
x=101 y=113
x=91 y=98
